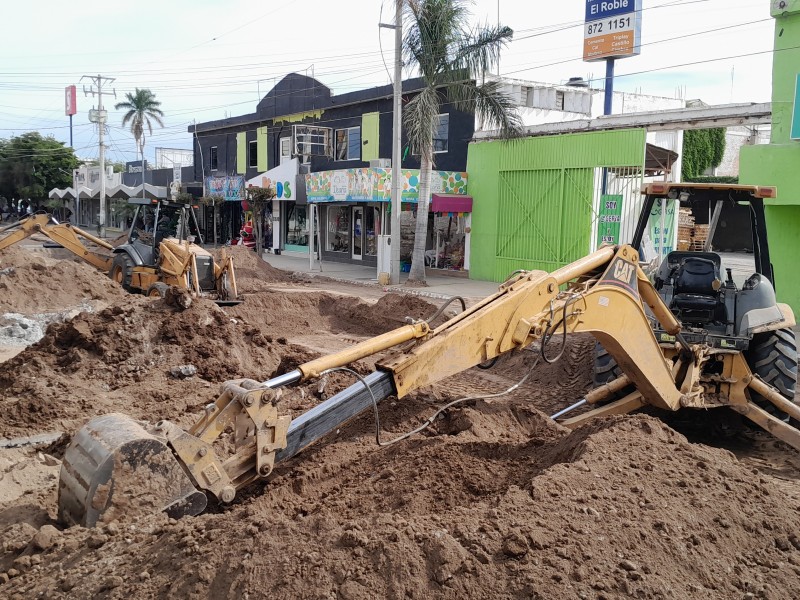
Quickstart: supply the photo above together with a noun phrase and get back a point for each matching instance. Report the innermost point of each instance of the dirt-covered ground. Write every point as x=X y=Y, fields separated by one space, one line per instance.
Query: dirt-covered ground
x=493 y=501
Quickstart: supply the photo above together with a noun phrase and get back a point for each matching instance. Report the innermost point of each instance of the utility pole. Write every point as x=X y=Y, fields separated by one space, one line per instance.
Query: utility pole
x=100 y=116
x=397 y=142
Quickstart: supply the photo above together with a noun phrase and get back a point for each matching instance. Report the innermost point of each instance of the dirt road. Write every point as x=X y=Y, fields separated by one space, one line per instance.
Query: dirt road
x=493 y=501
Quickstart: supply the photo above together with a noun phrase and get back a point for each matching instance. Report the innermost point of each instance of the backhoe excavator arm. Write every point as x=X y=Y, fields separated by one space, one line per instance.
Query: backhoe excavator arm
x=62 y=233
x=603 y=294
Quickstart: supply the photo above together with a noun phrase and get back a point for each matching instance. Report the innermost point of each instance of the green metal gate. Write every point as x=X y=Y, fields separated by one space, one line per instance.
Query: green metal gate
x=537 y=199
x=547 y=229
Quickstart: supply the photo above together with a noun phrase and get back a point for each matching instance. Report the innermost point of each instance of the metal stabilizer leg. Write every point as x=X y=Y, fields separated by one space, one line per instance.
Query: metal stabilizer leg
x=622 y=406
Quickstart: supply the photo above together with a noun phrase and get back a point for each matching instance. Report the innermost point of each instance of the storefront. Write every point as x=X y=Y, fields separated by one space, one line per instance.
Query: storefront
x=289 y=213
x=230 y=215
x=354 y=211
x=449 y=226
x=350 y=233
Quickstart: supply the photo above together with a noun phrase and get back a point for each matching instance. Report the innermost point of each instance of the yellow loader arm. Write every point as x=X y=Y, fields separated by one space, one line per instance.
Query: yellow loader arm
x=61 y=233
x=604 y=294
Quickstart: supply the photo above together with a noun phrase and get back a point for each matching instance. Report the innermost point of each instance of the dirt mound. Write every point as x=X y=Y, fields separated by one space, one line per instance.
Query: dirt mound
x=304 y=312
x=249 y=266
x=510 y=506
x=122 y=357
x=494 y=500
x=30 y=282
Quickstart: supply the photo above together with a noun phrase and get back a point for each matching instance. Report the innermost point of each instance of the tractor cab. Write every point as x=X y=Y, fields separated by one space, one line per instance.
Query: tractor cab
x=719 y=282
x=157 y=220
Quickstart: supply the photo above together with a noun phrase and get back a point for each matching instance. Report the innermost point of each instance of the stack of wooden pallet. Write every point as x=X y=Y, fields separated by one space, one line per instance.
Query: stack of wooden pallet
x=690 y=235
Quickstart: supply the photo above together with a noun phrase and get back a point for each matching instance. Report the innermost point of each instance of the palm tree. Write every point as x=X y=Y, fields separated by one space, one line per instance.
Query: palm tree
x=452 y=58
x=142 y=106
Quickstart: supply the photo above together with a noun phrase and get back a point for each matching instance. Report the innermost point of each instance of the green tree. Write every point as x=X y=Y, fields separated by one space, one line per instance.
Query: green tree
x=259 y=198
x=703 y=149
x=451 y=56
x=31 y=165
x=142 y=109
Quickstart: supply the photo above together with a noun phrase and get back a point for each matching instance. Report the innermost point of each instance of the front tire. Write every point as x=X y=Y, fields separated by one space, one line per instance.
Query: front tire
x=157 y=290
x=122 y=270
x=773 y=357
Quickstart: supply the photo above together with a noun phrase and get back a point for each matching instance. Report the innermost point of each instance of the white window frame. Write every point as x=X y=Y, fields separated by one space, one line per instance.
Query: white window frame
x=252 y=155
x=286 y=149
x=312 y=140
x=347 y=142
x=213 y=158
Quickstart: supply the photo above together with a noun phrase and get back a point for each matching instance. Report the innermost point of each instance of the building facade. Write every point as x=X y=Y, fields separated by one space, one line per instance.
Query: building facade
x=301 y=135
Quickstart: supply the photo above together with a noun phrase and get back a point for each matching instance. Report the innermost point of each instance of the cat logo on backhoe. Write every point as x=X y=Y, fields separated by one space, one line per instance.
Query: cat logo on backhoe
x=622 y=273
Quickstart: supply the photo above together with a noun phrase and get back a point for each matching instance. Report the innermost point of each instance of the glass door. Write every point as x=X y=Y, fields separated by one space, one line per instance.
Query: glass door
x=358 y=232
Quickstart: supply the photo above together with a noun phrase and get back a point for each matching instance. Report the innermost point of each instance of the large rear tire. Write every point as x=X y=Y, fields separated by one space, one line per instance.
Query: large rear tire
x=606 y=368
x=773 y=357
x=122 y=270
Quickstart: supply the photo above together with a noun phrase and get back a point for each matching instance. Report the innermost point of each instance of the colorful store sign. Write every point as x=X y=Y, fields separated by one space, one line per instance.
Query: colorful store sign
x=283 y=178
x=231 y=188
x=375 y=185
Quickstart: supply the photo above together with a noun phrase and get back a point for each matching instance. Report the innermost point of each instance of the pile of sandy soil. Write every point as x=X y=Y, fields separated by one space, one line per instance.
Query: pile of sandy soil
x=32 y=282
x=292 y=314
x=253 y=274
x=496 y=502
x=122 y=357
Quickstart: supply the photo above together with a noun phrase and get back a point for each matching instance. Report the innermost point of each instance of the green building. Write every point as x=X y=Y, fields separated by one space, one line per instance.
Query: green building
x=778 y=162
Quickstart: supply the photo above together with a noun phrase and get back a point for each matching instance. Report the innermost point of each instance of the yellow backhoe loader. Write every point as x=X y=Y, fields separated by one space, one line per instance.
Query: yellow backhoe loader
x=115 y=463
x=160 y=251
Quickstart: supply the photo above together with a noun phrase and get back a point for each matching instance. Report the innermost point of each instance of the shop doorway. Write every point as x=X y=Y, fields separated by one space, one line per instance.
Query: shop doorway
x=358 y=233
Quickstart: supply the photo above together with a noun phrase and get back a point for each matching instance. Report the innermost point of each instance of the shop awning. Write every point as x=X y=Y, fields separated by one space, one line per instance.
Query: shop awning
x=447 y=203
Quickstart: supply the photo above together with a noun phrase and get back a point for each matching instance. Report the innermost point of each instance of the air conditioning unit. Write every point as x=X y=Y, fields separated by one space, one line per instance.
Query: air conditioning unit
x=380 y=163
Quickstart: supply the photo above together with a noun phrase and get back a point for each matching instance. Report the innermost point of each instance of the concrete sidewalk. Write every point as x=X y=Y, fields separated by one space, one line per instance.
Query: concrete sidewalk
x=439 y=286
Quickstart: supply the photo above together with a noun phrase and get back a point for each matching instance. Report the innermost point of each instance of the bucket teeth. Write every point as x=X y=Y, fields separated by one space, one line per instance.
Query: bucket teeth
x=114 y=467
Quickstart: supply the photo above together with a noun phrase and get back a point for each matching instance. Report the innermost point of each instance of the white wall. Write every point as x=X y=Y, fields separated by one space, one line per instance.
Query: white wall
x=735 y=138
x=541 y=103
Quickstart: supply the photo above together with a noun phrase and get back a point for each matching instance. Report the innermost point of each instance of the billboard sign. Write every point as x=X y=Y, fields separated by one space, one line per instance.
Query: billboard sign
x=284 y=179
x=70 y=101
x=134 y=166
x=612 y=29
x=231 y=188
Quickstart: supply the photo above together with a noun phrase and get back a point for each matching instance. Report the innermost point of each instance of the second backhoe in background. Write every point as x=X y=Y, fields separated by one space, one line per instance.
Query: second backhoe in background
x=161 y=251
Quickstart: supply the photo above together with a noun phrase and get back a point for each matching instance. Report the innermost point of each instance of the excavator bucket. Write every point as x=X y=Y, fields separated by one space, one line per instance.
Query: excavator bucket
x=114 y=467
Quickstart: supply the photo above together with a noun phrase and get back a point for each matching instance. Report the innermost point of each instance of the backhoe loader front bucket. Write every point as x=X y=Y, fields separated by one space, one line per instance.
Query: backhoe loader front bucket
x=115 y=467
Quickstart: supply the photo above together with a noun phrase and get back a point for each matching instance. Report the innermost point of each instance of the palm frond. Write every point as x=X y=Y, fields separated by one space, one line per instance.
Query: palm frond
x=493 y=108
x=479 y=49
x=420 y=116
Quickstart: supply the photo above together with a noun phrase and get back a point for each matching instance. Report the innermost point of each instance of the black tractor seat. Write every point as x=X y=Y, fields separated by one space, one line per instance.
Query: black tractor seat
x=695 y=298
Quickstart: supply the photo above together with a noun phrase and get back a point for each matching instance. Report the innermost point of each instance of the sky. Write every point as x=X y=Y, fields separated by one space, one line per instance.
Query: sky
x=208 y=59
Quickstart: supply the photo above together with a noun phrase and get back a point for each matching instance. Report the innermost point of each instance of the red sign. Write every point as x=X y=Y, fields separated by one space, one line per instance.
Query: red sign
x=70 y=101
